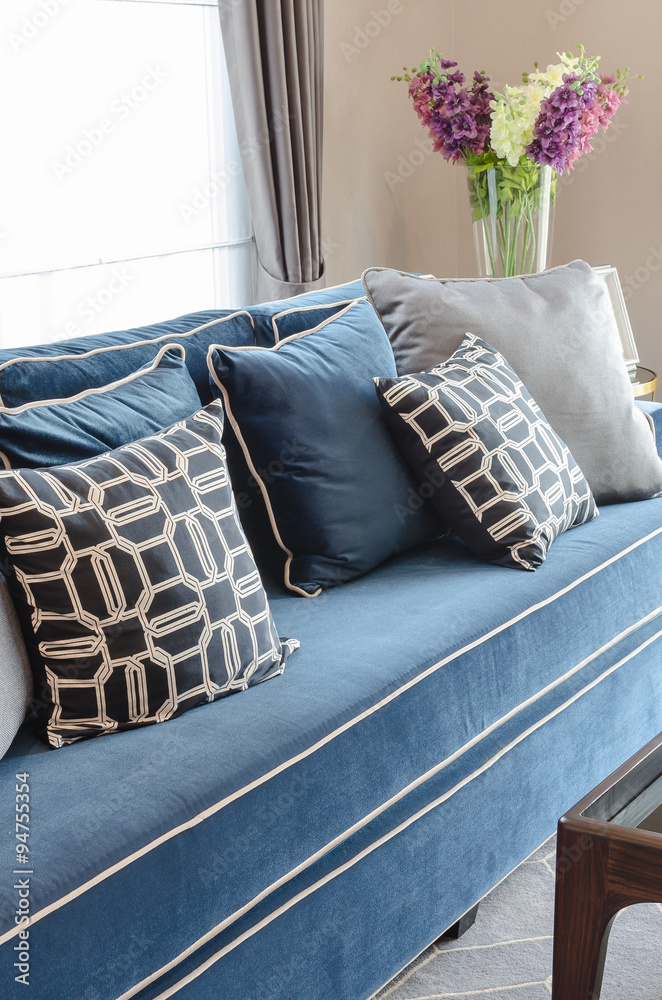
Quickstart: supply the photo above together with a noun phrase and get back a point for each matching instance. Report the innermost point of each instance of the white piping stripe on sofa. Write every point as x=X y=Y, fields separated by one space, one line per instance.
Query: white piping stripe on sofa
x=212 y=810
x=171 y=991
x=360 y=824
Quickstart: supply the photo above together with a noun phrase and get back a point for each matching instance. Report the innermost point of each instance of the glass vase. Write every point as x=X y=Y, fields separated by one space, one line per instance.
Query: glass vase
x=512 y=209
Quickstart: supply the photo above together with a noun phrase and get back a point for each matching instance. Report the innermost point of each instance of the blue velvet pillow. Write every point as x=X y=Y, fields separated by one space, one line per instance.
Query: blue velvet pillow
x=301 y=318
x=263 y=313
x=55 y=371
x=654 y=414
x=340 y=497
x=62 y=431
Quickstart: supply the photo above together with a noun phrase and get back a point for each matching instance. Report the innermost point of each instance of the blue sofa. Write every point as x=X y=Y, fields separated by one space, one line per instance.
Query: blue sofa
x=308 y=838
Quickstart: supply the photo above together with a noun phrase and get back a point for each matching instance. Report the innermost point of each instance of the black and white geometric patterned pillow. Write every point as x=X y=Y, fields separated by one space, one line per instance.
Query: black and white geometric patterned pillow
x=486 y=456
x=138 y=594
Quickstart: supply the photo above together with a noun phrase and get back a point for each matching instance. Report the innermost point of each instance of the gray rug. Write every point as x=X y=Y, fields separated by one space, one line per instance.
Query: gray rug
x=507 y=954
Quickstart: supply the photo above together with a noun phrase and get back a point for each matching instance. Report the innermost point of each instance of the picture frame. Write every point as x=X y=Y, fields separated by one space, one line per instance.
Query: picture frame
x=610 y=277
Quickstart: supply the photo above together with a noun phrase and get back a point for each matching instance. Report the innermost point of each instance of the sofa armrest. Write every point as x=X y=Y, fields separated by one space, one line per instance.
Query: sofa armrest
x=654 y=411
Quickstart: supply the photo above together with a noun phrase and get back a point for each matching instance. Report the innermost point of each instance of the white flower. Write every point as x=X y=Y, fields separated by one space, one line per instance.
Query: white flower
x=552 y=76
x=514 y=115
x=514 y=112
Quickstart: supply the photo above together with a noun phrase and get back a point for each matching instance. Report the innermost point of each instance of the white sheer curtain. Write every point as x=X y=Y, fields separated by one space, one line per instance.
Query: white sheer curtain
x=123 y=200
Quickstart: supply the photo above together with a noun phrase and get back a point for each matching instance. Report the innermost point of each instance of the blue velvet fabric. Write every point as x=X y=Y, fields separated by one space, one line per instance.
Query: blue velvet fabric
x=439 y=717
x=264 y=312
x=342 y=497
x=22 y=381
x=303 y=318
x=59 y=432
x=655 y=411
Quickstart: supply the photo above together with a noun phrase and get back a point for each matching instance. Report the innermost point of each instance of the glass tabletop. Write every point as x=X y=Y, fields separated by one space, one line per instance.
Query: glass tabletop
x=635 y=798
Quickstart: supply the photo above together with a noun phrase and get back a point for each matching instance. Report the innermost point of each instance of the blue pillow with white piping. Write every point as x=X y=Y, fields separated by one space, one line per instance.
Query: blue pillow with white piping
x=63 y=431
x=302 y=318
x=65 y=368
x=654 y=413
x=267 y=316
x=340 y=497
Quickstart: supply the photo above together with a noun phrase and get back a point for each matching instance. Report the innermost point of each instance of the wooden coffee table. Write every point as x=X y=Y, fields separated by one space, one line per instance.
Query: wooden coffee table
x=608 y=856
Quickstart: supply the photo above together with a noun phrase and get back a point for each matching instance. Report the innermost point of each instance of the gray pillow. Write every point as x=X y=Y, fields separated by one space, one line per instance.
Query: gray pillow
x=15 y=673
x=558 y=332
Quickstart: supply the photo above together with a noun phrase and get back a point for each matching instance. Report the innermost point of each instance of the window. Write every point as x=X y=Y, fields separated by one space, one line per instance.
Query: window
x=123 y=200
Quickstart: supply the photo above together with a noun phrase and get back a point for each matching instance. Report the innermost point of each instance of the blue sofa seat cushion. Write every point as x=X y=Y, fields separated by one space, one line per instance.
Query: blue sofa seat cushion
x=138 y=593
x=494 y=468
x=64 y=368
x=57 y=431
x=442 y=668
x=339 y=495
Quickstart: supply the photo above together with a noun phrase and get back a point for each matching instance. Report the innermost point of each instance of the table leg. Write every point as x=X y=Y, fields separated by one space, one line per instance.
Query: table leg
x=583 y=915
x=597 y=874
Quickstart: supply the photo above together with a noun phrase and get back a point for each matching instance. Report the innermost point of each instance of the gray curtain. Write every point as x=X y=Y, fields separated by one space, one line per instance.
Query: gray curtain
x=274 y=54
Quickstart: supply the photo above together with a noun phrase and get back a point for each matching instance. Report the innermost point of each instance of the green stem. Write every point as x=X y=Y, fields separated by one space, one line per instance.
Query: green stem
x=514 y=238
x=504 y=200
x=507 y=224
x=531 y=206
x=526 y=239
x=487 y=236
x=532 y=234
x=502 y=228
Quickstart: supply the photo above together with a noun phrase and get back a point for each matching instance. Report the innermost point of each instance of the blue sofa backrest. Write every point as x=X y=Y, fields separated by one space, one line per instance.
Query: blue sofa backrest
x=30 y=373
x=98 y=359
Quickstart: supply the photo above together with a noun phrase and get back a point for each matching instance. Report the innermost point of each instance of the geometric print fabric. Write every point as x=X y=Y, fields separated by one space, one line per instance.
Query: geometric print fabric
x=486 y=456
x=137 y=590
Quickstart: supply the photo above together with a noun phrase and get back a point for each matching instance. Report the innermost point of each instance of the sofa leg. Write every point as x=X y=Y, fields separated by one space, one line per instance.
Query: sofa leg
x=463 y=924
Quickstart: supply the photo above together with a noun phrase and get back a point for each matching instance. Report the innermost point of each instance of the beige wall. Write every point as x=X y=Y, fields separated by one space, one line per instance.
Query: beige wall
x=608 y=212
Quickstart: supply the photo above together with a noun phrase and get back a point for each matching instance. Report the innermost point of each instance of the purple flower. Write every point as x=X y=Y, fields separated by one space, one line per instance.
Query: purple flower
x=557 y=132
x=464 y=117
x=606 y=102
x=457 y=117
x=447 y=64
x=480 y=96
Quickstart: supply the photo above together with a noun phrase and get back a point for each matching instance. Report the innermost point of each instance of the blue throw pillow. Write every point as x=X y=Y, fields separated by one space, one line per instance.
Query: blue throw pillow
x=654 y=413
x=340 y=497
x=58 y=370
x=59 y=431
x=263 y=313
x=301 y=318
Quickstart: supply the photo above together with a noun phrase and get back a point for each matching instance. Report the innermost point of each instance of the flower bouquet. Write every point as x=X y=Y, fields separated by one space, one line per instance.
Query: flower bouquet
x=514 y=144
